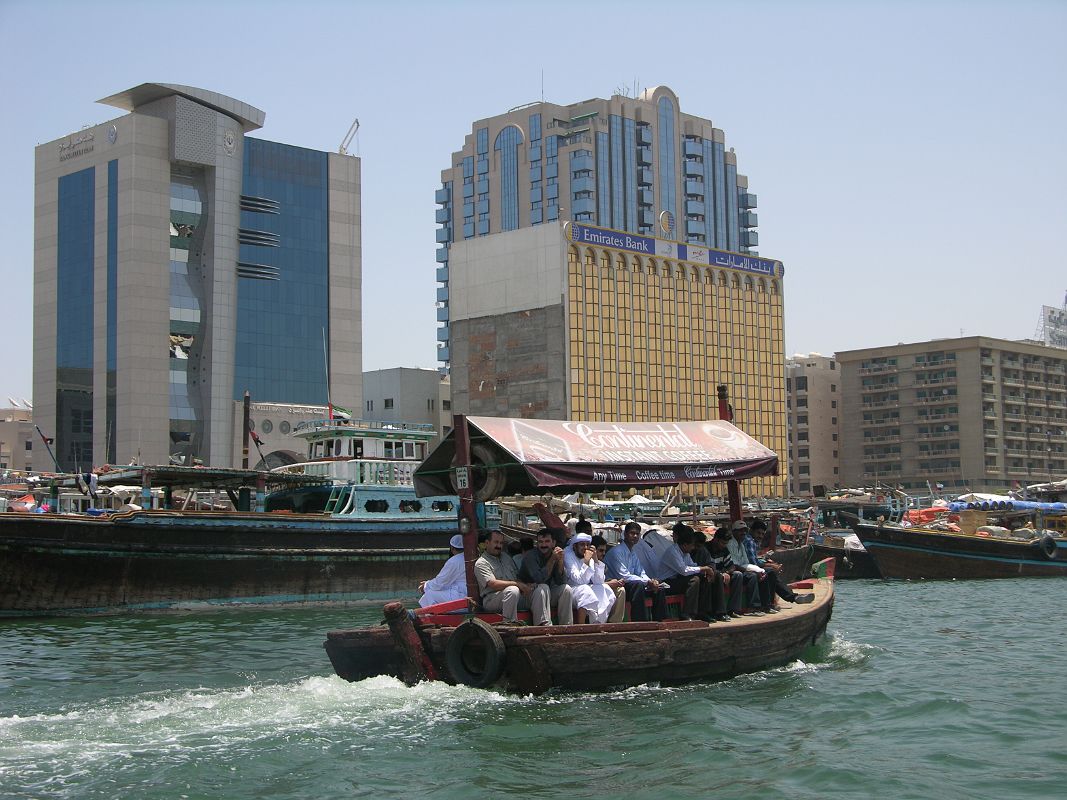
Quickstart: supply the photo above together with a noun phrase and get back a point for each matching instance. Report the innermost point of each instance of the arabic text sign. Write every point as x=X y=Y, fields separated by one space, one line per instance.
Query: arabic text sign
x=665 y=248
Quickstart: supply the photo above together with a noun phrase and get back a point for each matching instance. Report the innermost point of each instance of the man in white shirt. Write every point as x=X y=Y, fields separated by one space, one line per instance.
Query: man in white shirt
x=451 y=582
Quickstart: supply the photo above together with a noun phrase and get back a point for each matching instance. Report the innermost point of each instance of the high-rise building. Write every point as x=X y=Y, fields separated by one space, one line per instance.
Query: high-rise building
x=813 y=390
x=179 y=263
x=596 y=261
x=971 y=413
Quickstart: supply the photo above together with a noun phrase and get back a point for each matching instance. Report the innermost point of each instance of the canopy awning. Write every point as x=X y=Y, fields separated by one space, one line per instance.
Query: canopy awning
x=527 y=456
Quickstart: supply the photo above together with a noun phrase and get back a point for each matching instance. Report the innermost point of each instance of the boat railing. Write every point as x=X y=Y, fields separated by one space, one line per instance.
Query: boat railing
x=338 y=425
x=382 y=472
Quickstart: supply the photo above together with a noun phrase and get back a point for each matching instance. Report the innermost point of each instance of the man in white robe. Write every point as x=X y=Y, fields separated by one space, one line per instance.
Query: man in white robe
x=451 y=582
x=594 y=599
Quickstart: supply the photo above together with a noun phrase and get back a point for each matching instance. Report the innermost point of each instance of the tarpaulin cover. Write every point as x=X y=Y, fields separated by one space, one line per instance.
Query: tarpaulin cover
x=535 y=455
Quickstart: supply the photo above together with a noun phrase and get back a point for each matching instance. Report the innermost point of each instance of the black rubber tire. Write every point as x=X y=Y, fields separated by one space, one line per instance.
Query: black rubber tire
x=458 y=660
x=1047 y=545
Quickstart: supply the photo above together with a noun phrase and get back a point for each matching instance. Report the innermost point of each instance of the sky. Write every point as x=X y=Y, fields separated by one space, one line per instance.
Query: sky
x=908 y=157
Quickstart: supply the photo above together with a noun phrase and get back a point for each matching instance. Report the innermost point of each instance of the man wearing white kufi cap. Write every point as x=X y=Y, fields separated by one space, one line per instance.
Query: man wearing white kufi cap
x=585 y=573
x=451 y=581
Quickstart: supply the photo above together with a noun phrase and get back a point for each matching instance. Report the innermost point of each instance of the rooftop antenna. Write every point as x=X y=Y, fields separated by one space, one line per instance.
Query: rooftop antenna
x=352 y=131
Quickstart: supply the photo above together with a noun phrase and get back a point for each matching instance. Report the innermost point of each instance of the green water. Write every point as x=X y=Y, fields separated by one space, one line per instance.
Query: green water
x=947 y=690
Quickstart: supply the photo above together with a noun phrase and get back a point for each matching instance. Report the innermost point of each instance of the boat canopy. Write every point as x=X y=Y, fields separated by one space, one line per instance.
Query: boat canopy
x=528 y=456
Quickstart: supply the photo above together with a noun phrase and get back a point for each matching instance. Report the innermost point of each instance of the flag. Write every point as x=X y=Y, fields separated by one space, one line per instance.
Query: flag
x=255 y=437
x=339 y=412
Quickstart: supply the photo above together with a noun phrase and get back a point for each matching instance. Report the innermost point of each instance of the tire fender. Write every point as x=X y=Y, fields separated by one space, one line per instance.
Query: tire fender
x=458 y=658
x=1047 y=545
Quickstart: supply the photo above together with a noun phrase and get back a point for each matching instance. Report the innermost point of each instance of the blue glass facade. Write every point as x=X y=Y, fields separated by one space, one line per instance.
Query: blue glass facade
x=74 y=319
x=280 y=324
x=507 y=144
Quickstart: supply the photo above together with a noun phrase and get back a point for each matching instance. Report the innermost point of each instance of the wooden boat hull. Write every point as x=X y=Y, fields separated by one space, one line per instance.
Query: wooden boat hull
x=158 y=560
x=850 y=564
x=596 y=657
x=920 y=553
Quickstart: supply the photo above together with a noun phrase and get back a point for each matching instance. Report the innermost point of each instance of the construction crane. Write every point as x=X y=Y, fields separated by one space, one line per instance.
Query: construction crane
x=352 y=131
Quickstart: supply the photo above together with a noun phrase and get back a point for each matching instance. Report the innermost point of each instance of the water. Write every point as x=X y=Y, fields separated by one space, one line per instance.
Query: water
x=948 y=690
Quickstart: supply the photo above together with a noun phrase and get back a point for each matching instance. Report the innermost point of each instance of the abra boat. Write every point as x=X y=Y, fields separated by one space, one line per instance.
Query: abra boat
x=978 y=549
x=370 y=537
x=534 y=456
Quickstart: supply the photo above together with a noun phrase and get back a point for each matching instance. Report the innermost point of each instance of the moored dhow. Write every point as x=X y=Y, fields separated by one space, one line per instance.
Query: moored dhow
x=349 y=531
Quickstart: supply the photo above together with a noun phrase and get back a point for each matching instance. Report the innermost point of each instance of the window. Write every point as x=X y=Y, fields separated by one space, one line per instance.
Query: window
x=801 y=382
x=429 y=404
x=388 y=402
x=446 y=405
x=802 y=419
x=833 y=420
x=29 y=444
x=833 y=387
x=835 y=437
x=370 y=405
x=802 y=452
x=266 y=426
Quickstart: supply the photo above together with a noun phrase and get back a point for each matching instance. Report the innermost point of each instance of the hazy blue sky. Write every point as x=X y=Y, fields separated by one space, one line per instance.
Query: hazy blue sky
x=909 y=158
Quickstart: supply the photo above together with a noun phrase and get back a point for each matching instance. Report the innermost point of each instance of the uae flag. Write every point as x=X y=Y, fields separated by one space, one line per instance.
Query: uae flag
x=339 y=413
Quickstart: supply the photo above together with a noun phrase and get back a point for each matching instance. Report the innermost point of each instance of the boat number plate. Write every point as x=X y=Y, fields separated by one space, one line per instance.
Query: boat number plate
x=463 y=477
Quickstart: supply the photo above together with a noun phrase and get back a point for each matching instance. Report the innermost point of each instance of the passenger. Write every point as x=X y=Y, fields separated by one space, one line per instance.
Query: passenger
x=654 y=544
x=600 y=546
x=543 y=566
x=500 y=588
x=451 y=582
x=594 y=601
x=624 y=563
x=703 y=557
x=743 y=555
x=703 y=592
x=742 y=588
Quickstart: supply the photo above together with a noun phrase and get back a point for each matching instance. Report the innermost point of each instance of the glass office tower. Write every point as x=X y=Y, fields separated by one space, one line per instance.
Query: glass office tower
x=179 y=263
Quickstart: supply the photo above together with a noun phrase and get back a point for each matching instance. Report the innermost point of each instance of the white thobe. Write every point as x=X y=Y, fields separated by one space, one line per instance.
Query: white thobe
x=587 y=586
x=450 y=583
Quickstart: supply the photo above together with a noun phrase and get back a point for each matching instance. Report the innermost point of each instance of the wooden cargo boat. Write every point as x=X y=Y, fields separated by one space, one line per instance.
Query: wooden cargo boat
x=923 y=553
x=344 y=526
x=531 y=456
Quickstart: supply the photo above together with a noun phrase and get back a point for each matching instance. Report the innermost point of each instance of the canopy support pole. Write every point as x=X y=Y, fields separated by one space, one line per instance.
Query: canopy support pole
x=733 y=488
x=468 y=514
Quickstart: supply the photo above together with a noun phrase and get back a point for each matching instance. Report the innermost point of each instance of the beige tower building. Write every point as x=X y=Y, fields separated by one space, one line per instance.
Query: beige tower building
x=972 y=413
x=813 y=387
x=596 y=262
x=180 y=262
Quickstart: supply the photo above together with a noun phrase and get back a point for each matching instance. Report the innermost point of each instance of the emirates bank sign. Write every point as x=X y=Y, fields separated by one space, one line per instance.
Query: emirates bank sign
x=664 y=248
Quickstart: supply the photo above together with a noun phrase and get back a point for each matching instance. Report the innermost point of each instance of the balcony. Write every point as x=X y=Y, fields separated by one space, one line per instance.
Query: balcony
x=442 y=274
x=443 y=215
x=442 y=314
x=442 y=196
x=748 y=200
x=749 y=239
x=876 y=368
x=693 y=148
x=693 y=168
